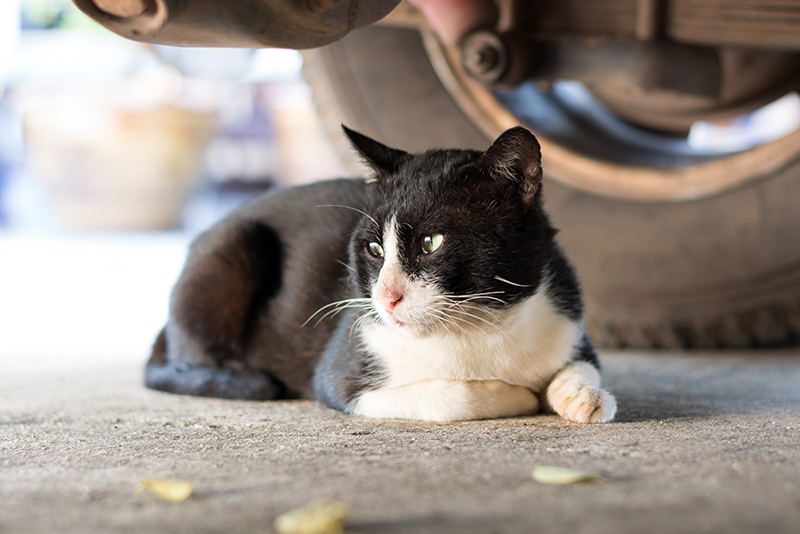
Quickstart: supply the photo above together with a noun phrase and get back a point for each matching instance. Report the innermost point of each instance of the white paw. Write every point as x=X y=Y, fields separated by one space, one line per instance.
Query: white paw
x=580 y=403
x=446 y=400
x=499 y=399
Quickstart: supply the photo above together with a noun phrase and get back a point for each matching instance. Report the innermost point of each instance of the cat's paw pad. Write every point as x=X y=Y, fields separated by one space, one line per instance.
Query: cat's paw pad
x=581 y=404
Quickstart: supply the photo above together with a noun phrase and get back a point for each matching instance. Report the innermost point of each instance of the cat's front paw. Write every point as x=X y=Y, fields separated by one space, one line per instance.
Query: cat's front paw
x=445 y=400
x=581 y=403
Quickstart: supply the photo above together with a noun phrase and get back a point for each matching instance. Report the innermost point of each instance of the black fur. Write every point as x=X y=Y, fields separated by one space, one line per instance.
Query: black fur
x=248 y=287
x=586 y=352
x=252 y=282
x=443 y=190
x=563 y=288
x=345 y=367
x=499 y=239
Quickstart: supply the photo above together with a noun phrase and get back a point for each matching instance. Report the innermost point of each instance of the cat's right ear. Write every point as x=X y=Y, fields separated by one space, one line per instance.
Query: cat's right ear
x=515 y=157
x=380 y=157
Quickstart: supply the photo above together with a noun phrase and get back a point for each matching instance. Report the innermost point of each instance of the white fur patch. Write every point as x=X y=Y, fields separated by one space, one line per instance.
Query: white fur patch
x=451 y=362
x=529 y=343
x=412 y=314
x=575 y=394
x=442 y=400
x=523 y=346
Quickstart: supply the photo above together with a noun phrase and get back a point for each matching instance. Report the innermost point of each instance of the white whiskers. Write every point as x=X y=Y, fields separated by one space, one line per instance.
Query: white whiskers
x=347 y=266
x=452 y=313
x=509 y=282
x=334 y=308
x=461 y=311
x=362 y=212
x=371 y=312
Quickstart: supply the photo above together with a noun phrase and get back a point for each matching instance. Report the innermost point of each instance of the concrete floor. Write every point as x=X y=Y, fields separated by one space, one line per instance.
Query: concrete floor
x=702 y=443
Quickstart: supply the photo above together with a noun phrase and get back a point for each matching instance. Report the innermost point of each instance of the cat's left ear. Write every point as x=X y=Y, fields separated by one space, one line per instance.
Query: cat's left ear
x=515 y=156
x=380 y=157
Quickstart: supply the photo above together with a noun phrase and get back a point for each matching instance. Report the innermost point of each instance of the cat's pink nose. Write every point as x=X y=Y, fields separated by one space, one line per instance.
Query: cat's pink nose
x=390 y=301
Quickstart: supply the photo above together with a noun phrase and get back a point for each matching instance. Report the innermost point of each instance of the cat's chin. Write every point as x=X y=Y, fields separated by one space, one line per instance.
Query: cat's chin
x=409 y=329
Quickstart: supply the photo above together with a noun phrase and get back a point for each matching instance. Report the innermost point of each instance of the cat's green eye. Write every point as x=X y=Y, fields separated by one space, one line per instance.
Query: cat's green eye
x=375 y=249
x=431 y=242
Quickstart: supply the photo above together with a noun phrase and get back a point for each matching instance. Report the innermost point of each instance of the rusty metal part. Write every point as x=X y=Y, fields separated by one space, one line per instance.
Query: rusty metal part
x=647 y=20
x=750 y=79
x=745 y=79
x=486 y=57
x=453 y=19
x=509 y=59
x=764 y=24
x=406 y=16
x=122 y=8
x=236 y=23
x=646 y=65
x=631 y=182
x=768 y=24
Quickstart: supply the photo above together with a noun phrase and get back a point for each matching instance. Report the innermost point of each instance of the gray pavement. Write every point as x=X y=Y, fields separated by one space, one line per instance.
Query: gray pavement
x=702 y=443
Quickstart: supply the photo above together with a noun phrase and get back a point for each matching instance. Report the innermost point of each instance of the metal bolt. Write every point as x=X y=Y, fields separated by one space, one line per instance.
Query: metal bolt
x=484 y=56
x=481 y=60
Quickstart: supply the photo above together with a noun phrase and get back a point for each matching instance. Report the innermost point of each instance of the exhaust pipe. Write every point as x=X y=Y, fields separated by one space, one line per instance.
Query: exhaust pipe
x=295 y=24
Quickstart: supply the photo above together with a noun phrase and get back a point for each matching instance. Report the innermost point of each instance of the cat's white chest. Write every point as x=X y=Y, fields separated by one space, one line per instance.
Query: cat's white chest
x=528 y=345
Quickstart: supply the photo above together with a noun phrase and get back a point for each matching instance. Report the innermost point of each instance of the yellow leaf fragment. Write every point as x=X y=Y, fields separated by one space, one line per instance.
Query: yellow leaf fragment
x=168 y=489
x=563 y=475
x=318 y=517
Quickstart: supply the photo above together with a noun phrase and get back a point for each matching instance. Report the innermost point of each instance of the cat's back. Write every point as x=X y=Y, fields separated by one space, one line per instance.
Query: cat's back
x=296 y=208
x=248 y=287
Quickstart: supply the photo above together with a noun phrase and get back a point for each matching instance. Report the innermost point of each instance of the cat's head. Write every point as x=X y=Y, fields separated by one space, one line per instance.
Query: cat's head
x=451 y=237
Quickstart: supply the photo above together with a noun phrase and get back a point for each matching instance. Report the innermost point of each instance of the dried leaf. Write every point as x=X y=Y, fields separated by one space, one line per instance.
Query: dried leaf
x=171 y=489
x=318 y=517
x=563 y=475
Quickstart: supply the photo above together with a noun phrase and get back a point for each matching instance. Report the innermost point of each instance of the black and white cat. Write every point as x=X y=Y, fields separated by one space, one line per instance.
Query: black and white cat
x=433 y=291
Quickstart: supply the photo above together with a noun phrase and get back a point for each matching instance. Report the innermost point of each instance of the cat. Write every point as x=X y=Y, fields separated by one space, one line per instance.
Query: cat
x=434 y=290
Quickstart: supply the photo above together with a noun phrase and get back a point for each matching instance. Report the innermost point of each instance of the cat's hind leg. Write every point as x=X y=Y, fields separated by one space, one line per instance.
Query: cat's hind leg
x=208 y=381
x=230 y=273
x=446 y=400
x=575 y=394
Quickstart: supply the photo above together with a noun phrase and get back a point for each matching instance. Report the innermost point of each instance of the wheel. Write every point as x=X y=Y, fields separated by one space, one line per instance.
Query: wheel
x=673 y=248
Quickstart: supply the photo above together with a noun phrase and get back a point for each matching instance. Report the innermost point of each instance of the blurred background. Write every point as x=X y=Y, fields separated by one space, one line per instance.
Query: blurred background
x=113 y=155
